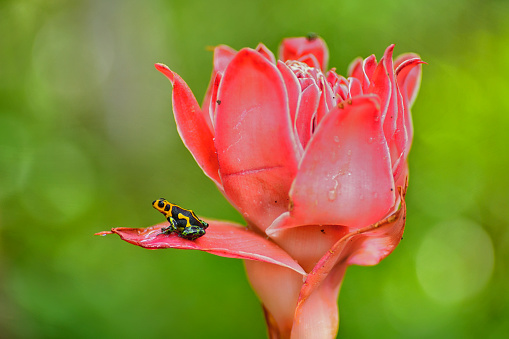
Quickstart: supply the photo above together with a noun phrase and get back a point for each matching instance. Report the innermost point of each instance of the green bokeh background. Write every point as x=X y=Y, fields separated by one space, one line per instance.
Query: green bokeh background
x=87 y=141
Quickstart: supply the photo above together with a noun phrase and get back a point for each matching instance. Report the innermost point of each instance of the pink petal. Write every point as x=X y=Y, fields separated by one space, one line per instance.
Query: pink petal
x=409 y=77
x=310 y=60
x=393 y=119
x=339 y=86
x=263 y=50
x=213 y=98
x=192 y=126
x=310 y=98
x=368 y=67
x=292 y=88
x=355 y=69
x=401 y=180
x=254 y=138
x=333 y=78
x=222 y=56
x=380 y=85
x=354 y=87
x=295 y=48
x=327 y=101
x=366 y=246
x=318 y=316
x=390 y=118
x=224 y=239
x=408 y=73
x=400 y=144
x=278 y=289
x=345 y=177
x=403 y=58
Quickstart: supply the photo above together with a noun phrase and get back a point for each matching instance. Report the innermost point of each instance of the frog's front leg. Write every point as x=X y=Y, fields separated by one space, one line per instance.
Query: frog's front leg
x=171 y=228
x=192 y=232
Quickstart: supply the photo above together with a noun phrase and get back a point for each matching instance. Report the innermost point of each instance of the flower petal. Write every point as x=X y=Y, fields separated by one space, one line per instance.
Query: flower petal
x=292 y=88
x=192 y=126
x=295 y=48
x=368 y=67
x=256 y=145
x=380 y=85
x=366 y=246
x=278 y=289
x=354 y=87
x=318 y=316
x=213 y=98
x=309 y=101
x=310 y=60
x=400 y=144
x=224 y=239
x=222 y=56
x=327 y=99
x=408 y=72
x=267 y=53
x=355 y=69
x=409 y=76
x=345 y=177
x=390 y=118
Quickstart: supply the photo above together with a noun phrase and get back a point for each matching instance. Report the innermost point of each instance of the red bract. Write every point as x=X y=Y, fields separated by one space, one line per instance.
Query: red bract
x=314 y=161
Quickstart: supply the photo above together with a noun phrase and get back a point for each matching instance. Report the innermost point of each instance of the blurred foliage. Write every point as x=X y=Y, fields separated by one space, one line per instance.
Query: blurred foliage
x=87 y=141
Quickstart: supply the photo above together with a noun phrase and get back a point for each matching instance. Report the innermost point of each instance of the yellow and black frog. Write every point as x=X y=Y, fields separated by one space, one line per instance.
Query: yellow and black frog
x=184 y=222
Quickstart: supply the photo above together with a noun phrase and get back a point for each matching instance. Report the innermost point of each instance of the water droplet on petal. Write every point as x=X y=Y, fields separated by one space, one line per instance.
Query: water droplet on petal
x=331 y=195
x=336 y=138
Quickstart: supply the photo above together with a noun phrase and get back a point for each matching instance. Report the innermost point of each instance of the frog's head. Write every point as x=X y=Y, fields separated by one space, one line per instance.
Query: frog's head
x=162 y=205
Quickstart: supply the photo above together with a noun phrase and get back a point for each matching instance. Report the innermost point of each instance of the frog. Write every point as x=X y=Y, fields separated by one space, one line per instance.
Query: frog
x=182 y=221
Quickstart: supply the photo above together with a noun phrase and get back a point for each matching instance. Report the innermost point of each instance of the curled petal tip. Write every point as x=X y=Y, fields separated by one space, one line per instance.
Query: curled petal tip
x=409 y=64
x=103 y=233
x=165 y=70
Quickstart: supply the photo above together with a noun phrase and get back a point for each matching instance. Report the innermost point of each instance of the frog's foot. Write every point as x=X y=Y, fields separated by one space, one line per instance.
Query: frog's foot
x=204 y=224
x=171 y=228
x=168 y=230
x=192 y=232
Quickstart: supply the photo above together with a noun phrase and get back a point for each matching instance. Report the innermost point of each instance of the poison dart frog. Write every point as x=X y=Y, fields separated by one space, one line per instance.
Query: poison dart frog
x=184 y=222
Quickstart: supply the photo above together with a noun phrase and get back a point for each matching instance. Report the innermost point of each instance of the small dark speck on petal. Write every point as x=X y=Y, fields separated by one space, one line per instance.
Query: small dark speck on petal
x=312 y=36
x=218 y=102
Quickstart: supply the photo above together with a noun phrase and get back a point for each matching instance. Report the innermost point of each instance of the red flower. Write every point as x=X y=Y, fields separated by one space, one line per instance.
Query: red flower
x=315 y=162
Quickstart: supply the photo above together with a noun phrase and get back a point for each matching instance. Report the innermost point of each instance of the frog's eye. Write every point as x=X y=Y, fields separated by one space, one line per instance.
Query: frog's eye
x=160 y=204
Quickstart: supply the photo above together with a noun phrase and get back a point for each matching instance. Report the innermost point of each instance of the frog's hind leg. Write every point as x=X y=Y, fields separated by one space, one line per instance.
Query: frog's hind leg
x=192 y=232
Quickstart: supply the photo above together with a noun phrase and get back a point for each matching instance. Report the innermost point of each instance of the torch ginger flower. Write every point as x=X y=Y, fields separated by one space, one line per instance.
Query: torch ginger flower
x=316 y=163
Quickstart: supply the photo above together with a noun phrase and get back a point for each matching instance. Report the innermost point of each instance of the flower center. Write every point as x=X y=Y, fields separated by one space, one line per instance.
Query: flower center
x=304 y=71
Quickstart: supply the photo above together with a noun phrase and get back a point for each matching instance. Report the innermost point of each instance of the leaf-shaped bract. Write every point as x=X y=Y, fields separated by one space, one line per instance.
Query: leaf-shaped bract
x=222 y=238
